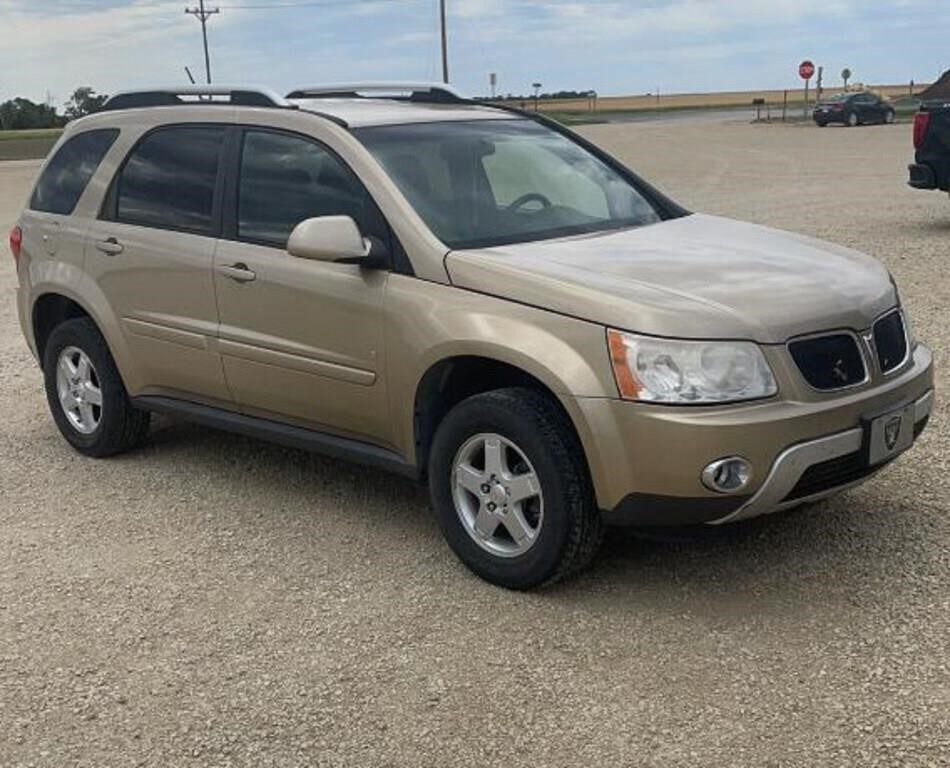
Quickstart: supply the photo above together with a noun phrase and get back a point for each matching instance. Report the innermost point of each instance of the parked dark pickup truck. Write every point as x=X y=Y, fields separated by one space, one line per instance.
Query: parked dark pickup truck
x=931 y=169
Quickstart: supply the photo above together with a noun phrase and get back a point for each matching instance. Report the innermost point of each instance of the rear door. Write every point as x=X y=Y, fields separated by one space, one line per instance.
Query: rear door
x=300 y=340
x=867 y=108
x=151 y=253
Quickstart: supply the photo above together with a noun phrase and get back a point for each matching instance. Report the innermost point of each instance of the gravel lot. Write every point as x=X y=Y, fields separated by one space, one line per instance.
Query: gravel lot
x=211 y=600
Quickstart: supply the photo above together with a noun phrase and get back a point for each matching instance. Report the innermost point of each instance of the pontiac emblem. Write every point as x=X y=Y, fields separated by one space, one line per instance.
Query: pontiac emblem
x=892 y=431
x=839 y=372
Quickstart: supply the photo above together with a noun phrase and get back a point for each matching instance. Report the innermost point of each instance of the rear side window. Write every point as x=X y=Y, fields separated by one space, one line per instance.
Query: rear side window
x=67 y=174
x=286 y=179
x=169 y=179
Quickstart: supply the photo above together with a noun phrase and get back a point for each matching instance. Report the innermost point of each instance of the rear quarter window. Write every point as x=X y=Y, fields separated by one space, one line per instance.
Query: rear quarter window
x=65 y=176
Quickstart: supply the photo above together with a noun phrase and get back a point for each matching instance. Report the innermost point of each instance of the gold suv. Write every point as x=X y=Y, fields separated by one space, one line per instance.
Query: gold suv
x=462 y=293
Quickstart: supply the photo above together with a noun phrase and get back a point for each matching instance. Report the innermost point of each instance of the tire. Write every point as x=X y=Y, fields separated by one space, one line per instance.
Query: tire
x=538 y=440
x=822 y=124
x=853 y=121
x=889 y=117
x=114 y=426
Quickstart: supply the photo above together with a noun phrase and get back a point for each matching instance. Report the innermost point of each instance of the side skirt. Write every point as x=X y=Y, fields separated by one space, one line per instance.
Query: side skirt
x=283 y=434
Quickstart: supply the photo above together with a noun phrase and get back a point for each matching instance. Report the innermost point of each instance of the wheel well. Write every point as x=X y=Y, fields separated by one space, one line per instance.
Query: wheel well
x=449 y=382
x=51 y=310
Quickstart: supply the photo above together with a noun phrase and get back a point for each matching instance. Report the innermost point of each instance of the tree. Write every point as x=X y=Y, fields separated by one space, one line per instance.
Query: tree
x=23 y=113
x=84 y=101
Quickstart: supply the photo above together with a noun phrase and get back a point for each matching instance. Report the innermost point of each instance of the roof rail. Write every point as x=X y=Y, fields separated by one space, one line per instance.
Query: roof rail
x=431 y=93
x=241 y=95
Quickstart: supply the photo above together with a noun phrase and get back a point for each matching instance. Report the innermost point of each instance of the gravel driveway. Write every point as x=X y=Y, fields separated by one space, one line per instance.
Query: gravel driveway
x=211 y=600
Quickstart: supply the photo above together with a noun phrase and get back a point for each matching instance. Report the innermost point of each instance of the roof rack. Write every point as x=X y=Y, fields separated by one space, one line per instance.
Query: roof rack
x=242 y=95
x=429 y=93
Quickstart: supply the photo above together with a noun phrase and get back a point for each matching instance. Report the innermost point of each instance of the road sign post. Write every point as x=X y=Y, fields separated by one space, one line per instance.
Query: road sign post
x=806 y=70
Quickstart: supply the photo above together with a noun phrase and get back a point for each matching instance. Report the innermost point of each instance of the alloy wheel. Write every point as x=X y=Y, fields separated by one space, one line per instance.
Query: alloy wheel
x=77 y=385
x=497 y=495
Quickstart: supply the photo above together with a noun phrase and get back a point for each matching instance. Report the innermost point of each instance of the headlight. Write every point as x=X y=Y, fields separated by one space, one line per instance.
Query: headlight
x=671 y=371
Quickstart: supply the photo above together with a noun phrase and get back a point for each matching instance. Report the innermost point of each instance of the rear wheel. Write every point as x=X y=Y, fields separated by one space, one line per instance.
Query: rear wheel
x=889 y=117
x=511 y=490
x=85 y=393
x=853 y=120
x=822 y=123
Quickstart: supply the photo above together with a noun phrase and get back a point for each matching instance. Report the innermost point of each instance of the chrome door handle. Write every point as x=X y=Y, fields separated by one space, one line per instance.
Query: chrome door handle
x=239 y=272
x=110 y=246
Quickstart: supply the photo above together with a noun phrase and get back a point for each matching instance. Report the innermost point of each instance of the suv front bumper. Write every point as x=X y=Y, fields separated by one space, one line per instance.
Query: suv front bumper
x=646 y=461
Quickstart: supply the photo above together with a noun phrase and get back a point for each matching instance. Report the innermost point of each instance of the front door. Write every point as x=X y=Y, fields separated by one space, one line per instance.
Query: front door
x=151 y=254
x=300 y=340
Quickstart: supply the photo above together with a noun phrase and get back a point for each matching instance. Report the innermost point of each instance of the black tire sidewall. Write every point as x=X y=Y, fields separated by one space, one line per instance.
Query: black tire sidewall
x=83 y=334
x=559 y=483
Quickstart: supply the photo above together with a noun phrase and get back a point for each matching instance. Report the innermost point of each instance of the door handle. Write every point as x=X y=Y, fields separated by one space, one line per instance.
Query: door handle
x=239 y=272
x=110 y=246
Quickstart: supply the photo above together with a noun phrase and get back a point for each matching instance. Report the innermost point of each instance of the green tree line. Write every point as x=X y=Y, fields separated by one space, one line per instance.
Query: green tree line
x=20 y=113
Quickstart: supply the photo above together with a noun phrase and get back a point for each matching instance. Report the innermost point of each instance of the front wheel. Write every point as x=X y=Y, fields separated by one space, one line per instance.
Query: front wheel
x=85 y=393
x=511 y=490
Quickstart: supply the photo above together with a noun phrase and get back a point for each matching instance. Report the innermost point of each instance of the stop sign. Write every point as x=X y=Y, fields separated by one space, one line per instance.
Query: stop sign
x=806 y=70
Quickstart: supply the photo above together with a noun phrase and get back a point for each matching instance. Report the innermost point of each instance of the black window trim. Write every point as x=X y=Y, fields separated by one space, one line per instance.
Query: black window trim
x=116 y=132
x=398 y=259
x=110 y=204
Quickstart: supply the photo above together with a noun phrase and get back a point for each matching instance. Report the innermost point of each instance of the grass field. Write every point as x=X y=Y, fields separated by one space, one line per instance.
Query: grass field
x=27 y=144
x=722 y=100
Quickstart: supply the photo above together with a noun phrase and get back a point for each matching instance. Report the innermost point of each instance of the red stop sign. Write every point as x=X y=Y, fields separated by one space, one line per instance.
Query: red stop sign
x=806 y=70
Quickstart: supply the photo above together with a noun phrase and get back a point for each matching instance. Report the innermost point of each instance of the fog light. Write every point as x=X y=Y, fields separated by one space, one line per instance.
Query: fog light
x=727 y=475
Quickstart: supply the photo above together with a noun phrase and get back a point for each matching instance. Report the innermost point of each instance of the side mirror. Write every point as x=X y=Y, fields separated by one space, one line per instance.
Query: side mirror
x=328 y=238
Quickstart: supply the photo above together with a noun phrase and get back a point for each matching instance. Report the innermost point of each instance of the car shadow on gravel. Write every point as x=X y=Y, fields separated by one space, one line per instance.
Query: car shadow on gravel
x=838 y=553
x=916 y=227
x=859 y=548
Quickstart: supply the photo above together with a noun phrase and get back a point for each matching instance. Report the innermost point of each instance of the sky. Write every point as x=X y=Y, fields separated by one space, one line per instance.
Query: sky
x=616 y=47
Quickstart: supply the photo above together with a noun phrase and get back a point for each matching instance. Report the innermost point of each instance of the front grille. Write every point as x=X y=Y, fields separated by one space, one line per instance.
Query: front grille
x=829 y=362
x=890 y=341
x=833 y=473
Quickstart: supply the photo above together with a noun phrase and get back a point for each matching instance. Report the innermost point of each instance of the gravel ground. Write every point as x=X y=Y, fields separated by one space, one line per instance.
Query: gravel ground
x=211 y=600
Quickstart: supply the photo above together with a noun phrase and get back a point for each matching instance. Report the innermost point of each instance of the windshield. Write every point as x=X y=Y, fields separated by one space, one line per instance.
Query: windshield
x=481 y=183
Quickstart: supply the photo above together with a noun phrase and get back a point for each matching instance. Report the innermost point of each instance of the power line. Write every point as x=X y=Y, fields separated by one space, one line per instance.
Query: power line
x=304 y=4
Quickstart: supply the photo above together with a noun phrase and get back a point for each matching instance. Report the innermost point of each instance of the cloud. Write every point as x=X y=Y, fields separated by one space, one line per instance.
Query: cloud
x=615 y=46
x=59 y=46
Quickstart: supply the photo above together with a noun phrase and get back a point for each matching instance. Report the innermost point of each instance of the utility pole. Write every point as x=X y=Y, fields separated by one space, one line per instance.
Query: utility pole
x=203 y=14
x=445 y=44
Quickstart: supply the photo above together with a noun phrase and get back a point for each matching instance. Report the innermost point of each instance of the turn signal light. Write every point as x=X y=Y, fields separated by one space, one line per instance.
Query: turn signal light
x=16 y=242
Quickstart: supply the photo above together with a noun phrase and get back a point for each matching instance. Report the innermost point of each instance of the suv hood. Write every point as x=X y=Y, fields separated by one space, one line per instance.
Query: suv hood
x=693 y=277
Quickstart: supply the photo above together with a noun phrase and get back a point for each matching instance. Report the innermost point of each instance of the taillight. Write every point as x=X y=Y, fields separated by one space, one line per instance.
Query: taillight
x=16 y=240
x=921 y=123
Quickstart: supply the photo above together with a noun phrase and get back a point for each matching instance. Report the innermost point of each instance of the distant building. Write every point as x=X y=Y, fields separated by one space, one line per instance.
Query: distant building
x=939 y=90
